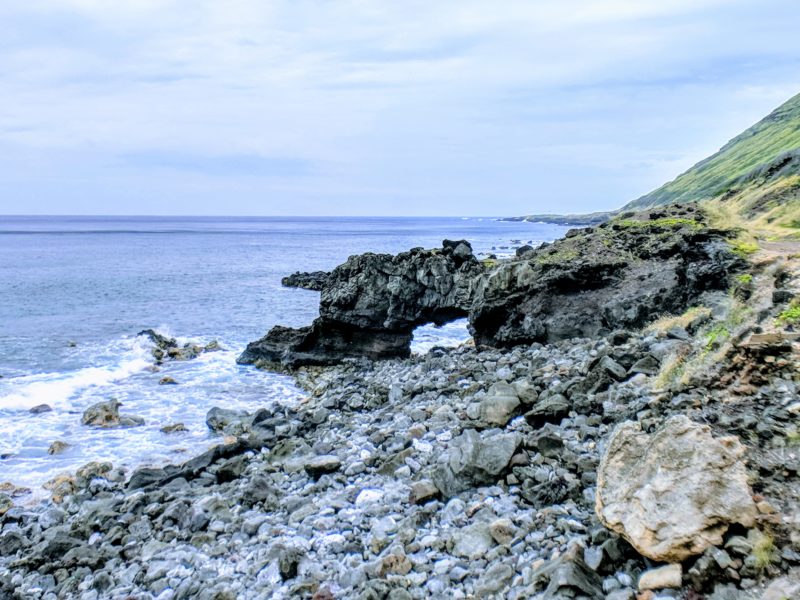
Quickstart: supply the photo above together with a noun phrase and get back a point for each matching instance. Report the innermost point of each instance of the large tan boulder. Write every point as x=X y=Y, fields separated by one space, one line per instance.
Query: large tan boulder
x=673 y=493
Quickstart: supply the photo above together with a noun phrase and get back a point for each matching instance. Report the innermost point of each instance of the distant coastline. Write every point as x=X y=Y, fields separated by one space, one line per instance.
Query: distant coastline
x=586 y=220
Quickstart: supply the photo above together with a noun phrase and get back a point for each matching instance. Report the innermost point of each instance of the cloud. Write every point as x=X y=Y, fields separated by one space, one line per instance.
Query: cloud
x=451 y=107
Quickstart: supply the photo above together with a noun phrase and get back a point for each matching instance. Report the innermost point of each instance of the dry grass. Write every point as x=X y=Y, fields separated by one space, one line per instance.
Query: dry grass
x=693 y=315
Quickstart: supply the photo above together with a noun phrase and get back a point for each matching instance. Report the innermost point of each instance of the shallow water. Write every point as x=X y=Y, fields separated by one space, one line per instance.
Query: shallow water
x=74 y=291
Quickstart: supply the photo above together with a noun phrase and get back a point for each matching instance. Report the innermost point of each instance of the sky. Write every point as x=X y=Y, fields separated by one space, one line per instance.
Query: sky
x=356 y=107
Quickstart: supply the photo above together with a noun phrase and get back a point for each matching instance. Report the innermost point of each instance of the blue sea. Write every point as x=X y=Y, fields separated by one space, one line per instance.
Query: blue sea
x=74 y=292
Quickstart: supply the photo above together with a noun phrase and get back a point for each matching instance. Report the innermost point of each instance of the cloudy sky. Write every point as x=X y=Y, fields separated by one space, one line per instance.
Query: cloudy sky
x=345 y=107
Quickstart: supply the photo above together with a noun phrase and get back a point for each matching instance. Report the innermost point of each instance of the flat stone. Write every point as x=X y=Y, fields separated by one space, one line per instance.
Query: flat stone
x=320 y=465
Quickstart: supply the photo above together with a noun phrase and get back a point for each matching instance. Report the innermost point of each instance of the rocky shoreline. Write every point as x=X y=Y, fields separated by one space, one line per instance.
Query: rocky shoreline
x=641 y=458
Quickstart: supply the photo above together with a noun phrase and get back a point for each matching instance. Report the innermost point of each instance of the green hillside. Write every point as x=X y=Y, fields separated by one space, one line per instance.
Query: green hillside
x=764 y=155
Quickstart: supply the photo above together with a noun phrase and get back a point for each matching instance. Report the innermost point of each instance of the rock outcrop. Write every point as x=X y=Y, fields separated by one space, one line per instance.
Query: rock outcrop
x=621 y=274
x=673 y=493
x=168 y=347
x=314 y=281
x=371 y=304
x=618 y=275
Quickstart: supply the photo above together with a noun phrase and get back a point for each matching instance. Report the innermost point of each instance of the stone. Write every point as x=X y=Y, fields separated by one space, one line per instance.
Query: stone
x=422 y=491
x=782 y=589
x=174 y=428
x=548 y=410
x=473 y=459
x=167 y=381
x=472 y=542
x=57 y=447
x=613 y=368
x=647 y=365
x=320 y=465
x=224 y=420
x=502 y=531
x=567 y=577
x=40 y=408
x=499 y=405
x=6 y=504
x=493 y=580
x=669 y=576
x=673 y=493
x=106 y=415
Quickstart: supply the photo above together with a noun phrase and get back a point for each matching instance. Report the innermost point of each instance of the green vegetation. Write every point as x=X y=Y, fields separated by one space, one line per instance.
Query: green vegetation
x=743 y=248
x=557 y=257
x=744 y=279
x=766 y=149
x=716 y=336
x=791 y=315
x=670 y=223
x=764 y=551
x=489 y=262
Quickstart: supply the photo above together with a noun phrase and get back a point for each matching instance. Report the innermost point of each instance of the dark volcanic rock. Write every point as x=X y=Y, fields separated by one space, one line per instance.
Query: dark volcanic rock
x=314 y=280
x=370 y=305
x=618 y=275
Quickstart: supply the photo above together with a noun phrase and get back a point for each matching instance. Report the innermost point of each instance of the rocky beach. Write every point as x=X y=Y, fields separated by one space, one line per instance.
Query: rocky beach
x=624 y=426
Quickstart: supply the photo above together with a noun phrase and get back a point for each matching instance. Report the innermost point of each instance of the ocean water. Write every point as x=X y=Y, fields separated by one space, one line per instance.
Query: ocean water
x=74 y=291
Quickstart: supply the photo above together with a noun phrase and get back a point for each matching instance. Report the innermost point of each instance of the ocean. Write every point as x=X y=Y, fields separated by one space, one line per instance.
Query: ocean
x=75 y=291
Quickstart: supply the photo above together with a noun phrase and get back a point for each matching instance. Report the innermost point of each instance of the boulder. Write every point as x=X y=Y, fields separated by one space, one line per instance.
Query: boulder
x=473 y=459
x=57 y=447
x=106 y=415
x=673 y=493
x=228 y=421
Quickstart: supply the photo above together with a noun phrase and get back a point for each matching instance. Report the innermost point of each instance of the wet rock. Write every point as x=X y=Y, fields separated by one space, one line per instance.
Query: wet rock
x=669 y=576
x=106 y=415
x=231 y=422
x=167 y=381
x=5 y=504
x=674 y=493
x=174 y=428
x=40 y=408
x=57 y=447
x=168 y=347
x=473 y=459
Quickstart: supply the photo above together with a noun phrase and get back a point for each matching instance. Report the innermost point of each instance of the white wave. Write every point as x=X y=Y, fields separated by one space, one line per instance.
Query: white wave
x=60 y=388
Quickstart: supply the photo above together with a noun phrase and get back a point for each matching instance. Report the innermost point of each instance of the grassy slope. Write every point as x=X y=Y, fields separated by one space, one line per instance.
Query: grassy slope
x=743 y=163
